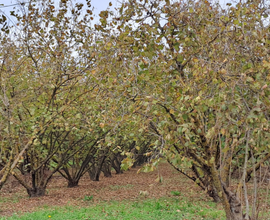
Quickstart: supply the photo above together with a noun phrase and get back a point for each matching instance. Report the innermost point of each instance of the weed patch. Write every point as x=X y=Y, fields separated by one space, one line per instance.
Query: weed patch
x=175 y=193
x=88 y=198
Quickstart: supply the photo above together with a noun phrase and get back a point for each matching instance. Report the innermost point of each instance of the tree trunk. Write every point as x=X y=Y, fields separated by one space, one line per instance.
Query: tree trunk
x=73 y=183
x=5 y=171
x=235 y=205
x=36 y=192
x=217 y=184
x=94 y=173
x=213 y=194
x=72 y=179
x=236 y=212
x=36 y=182
x=95 y=170
x=106 y=169
x=4 y=174
x=116 y=164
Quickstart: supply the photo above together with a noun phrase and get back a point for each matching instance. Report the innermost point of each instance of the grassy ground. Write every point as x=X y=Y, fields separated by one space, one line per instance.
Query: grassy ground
x=126 y=196
x=163 y=208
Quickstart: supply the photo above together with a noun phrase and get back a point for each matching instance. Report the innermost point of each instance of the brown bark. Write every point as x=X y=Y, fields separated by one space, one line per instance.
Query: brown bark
x=10 y=166
x=36 y=182
x=225 y=167
x=73 y=183
x=235 y=204
x=106 y=169
x=72 y=178
x=222 y=195
x=94 y=173
x=95 y=170
x=36 y=192
x=116 y=164
x=4 y=174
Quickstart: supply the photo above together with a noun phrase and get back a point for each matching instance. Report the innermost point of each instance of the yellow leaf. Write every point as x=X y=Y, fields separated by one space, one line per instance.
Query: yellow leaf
x=222 y=131
x=249 y=79
x=212 y=160
x=139 y=170
x=171 y=111
x=148 y=154
x=223 y=71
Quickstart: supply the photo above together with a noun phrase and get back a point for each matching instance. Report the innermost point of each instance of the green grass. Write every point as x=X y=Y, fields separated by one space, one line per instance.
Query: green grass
x=88 y=198
x=175 y=193
x=165 y=208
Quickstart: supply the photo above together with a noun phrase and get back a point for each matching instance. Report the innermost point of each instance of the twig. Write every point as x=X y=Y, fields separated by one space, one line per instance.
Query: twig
x=253 y=216
x=244 y=175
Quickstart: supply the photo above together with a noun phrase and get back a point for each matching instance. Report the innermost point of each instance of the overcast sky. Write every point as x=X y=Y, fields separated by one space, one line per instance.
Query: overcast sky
x=98 y=4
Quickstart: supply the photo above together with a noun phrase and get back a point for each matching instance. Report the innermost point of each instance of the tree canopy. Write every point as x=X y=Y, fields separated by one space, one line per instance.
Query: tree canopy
x=184 y=80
